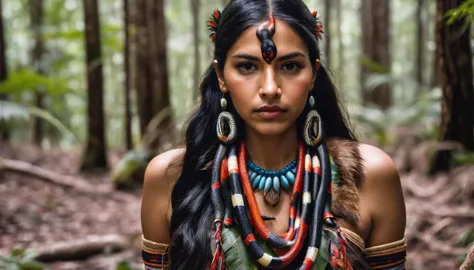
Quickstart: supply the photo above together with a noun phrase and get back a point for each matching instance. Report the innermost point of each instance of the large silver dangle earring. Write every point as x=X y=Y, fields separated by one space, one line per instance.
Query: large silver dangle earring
x=313 y=126
x=226 y=127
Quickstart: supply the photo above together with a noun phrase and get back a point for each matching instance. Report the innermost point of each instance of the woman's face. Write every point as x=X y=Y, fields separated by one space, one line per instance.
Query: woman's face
x=268 y=97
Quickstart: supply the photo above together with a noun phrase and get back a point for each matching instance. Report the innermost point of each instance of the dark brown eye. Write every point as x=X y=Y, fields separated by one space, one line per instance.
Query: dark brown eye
x=246 y=67
x=291 y=66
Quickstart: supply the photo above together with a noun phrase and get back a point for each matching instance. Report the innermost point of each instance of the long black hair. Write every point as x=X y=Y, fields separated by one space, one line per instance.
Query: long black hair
x=192 y=217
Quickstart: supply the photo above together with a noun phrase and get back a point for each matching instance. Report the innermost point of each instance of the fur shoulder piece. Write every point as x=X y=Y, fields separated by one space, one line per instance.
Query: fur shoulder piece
x=345 y=193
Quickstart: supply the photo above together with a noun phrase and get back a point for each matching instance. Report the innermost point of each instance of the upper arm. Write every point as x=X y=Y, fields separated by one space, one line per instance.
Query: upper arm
x=384 y=197
x=160 y=176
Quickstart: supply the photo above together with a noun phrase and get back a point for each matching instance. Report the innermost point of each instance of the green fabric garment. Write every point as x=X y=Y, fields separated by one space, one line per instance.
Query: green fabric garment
x=237 y=257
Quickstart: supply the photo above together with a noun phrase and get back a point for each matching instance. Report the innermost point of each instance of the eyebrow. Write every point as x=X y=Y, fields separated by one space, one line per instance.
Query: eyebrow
x=281 y=58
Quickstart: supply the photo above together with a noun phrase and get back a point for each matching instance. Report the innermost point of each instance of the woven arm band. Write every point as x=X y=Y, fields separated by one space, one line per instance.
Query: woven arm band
x=387 y=256
x=154 y=255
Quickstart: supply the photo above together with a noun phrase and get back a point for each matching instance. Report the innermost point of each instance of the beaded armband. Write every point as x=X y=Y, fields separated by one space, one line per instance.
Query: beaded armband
x=388 y=256
x=154 y=255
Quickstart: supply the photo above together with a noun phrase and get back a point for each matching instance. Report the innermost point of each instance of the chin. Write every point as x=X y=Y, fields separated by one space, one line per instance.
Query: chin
x=271 y=129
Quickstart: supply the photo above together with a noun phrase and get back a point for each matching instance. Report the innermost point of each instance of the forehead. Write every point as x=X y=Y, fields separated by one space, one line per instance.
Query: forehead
x=286 y=40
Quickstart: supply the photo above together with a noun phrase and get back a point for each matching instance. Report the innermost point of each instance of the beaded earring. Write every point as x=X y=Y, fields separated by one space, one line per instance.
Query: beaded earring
x=226 y=126
x=313 y=125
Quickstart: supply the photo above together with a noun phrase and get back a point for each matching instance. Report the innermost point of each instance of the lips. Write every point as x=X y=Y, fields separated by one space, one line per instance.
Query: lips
x=270 y=112
x=273 y=108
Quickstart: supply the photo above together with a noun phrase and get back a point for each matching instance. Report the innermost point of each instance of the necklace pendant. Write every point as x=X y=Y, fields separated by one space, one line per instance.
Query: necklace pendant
x=272 y=197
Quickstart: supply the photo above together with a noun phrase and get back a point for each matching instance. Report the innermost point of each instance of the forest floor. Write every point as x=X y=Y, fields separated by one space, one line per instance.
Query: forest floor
x=38 y=215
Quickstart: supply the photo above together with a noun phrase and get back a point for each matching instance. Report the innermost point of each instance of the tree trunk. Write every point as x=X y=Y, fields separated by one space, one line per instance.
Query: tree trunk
x=4 y=133
x=455 y=74
x=327 y=31
x=95 y=153
x=152 y=75
x=161 y=98
x=195 y=10
x=420 y=41
x=142 y=77
x=36 y=9
x=126 y=56
x=376 y=49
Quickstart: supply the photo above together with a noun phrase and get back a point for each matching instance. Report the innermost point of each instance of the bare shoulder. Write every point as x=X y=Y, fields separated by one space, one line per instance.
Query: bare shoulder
x=165 y=168
x=378 y=162
x=382 y=195
x=160 y=177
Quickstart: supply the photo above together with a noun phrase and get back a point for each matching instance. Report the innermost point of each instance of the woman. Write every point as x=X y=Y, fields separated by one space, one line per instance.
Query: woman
x=285 y=184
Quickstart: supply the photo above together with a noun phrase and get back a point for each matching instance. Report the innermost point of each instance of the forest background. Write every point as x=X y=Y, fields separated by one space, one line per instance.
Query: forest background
x=91 y=90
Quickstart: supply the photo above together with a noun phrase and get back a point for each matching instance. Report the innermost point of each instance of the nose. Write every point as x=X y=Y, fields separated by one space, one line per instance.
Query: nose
x=269 y=86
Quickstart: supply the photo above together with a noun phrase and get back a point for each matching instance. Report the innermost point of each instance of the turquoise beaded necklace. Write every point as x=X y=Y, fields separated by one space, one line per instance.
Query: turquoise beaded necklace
x=262 y=179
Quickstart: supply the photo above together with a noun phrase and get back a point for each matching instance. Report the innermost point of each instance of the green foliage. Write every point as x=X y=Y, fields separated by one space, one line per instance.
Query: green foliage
x=237 y=257
x=130 y=169
x=110 y=34
x=21 y=259
x=235 y=252
x=11 y=110
x=29 y=80
x=463 y=157
x=69 y=35
x=468 y=238
x=422 y=114
x=373 y=66
x=464 y=12
x=126 y=265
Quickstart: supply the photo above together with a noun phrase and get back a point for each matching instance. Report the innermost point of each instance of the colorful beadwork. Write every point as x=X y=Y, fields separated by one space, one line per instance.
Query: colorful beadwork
x=262 y=179
x=154 y=255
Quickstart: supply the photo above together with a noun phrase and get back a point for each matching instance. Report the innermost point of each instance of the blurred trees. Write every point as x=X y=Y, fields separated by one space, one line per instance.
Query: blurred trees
x=95 y=152
x=150 y=68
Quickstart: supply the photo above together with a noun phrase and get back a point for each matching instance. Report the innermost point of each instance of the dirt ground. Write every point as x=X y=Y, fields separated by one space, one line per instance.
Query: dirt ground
x=35 y=214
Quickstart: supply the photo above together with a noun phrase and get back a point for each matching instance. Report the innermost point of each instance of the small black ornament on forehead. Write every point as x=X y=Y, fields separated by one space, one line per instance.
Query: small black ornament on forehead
x=265 y=32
